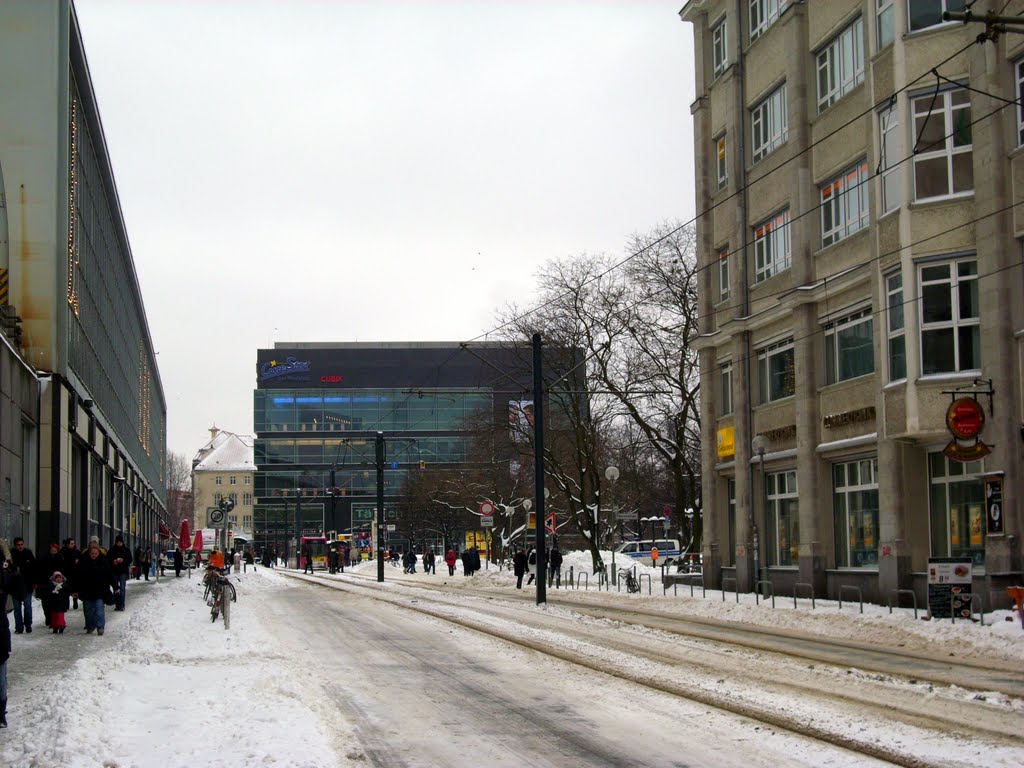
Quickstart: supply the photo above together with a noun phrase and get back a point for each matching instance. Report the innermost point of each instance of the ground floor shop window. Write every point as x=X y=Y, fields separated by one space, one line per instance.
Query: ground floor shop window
x=957 y=502
x=855 y=506
x=783 y=522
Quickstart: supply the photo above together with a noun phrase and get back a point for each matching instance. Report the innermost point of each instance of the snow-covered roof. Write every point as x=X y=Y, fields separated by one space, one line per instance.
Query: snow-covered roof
x=226 y=451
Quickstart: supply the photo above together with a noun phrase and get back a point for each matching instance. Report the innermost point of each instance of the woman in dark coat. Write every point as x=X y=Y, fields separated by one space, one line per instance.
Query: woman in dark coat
x=92 y=583
x=519 y=567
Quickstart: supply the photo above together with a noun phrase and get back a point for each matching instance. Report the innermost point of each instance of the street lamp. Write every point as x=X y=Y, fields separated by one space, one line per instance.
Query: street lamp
x=527 y=505
x=759 y=445
x=612 y=474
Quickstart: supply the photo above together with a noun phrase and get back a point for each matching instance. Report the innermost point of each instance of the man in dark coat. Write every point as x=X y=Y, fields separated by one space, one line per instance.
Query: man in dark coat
x=21 y=586
x=5 y=640
x=474 y=560
x=48 y=566
x=92 y=584
x=519 y=567
x=120 y=561
x=179 y=562
x=555 y=567
x=71 y=554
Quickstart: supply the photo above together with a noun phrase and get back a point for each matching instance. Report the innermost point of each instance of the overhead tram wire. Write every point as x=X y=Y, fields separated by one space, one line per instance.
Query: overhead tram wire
x=874 y=107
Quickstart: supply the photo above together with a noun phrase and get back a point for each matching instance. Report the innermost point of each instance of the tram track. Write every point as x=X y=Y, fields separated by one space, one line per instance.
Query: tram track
x=713 y=676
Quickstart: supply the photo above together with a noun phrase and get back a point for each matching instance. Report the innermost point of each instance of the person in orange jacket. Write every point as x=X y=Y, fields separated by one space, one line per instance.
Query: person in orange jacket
x=216 y=559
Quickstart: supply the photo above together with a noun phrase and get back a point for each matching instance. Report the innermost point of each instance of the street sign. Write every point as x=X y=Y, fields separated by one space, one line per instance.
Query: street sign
x=392 y=528
x=625 y=514
x=487 y=521
x=486 y=508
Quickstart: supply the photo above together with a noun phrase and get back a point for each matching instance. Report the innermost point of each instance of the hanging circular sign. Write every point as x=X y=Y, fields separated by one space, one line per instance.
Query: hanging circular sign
x=486 y=508
x=965 y=418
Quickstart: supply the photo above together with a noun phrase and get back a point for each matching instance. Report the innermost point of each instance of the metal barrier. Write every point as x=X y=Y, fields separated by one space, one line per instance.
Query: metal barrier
x=586 y=580
x=771 y=591
x=725 y=581
x=647 y=576
x=860 y=595
x=810 y=588
x=899 y=592
x=981 y=608
x=689 y=577
x=572 y=579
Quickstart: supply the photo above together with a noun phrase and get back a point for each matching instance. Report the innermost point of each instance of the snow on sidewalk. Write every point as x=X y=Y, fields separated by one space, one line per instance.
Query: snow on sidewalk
x=163 y=687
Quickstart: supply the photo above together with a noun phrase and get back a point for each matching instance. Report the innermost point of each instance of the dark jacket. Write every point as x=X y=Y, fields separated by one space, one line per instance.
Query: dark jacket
x=71 y=558
x=50 y=565
x=25 y=573
x=179 y=559
x=93 y=578
x=118 y=551
x=555 y=559
x=519 y=563
x=57 y=599
x=5 y=634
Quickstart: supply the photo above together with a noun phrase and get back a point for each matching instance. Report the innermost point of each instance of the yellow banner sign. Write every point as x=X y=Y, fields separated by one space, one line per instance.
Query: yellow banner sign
x=726 y=442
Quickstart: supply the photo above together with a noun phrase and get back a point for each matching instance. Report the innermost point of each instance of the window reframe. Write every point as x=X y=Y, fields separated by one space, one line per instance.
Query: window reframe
x=772 y=246
x=831 y=60
x=956 y=323
x=833 y=358
x=837 y=197
x=769 y=124
x=941 y=103
x=764 y=376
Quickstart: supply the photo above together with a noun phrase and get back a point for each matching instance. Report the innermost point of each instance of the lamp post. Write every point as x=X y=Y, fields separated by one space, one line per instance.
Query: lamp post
x=760 y=444
x=612 y=475
x=690 y=512
x=527 y=505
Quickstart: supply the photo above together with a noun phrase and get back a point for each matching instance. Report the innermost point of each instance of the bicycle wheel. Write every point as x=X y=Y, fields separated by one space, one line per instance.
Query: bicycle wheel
x=215 y=607
x=228 y=592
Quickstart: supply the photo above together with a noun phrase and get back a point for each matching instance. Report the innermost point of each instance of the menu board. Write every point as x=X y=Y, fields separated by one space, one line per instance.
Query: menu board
x=949 y=587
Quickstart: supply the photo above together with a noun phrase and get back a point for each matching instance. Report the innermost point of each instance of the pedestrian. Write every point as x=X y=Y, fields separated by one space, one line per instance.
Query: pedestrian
x=464 y=557
x=449 y=559
x=555 y=567
x=23 y=576
x=474 y=560
x=250 y=559
x=428 y=562
x=5 y=630
x=136 y=569
x=147 y=561
x=92 y=583
x=48 y=566
x=307 y=556
x=179 y=563
x=531 y=565
x=56 y=602
x=342 y=558
x=71 y=554
x=519 y=567
x=266 y=557
x=120 y=562
x=412 y=561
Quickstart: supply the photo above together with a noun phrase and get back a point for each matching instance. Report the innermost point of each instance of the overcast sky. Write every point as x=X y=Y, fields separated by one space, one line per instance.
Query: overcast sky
x=333 y=170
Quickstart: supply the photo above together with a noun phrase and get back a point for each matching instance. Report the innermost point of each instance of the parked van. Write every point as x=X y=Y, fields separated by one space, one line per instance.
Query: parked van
x=668 y=550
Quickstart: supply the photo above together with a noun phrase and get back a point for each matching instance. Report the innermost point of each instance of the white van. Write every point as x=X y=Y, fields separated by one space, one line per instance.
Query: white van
x=668 y=550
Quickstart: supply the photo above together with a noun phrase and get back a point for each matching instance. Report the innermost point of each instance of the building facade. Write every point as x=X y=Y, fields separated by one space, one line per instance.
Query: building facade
x=318 y=407
x=70 y=286
x=860 y=252
x=224 y=469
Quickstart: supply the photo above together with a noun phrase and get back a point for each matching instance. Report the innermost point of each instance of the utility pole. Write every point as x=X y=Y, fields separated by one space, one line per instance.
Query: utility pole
x=538 y=422
x=380 y=506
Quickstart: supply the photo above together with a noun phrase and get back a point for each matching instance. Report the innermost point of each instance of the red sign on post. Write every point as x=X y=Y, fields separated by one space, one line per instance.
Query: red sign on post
x=549 y=523
x=486 y=508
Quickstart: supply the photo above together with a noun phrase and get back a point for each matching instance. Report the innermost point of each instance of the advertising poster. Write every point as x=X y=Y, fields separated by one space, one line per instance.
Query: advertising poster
x=994 y=504
x=949 y=587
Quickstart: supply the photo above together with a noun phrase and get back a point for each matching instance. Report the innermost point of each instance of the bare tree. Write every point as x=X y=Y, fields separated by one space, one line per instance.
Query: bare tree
x=179 y=472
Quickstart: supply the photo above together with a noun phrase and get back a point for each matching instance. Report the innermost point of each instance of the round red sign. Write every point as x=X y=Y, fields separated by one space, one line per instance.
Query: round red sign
x=486 y=509
x=965 y=418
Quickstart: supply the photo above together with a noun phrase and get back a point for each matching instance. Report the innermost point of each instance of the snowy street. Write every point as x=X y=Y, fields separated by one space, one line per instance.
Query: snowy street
x=427 y=670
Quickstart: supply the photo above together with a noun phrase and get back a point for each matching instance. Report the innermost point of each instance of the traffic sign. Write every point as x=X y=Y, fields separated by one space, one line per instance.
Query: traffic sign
x=487 y=521
x=486 y=508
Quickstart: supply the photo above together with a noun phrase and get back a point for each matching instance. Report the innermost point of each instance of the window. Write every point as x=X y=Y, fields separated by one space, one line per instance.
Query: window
x=247 y=499
x=726 y=371
x=957 y=502
x=855 y=506
x=247 y=522
x=764 y=13
x=849 y=347
x=216 y=499
x=769 y=123
x=723 y=169
x=950 y=336
x=771 y=247
x=928 y=13
x=889 y=158
x=233 y=497
x=218 y=480
x=885 y=23
x=894 y=323
x=232 y=480
x=723 y=274
x=783 y=519
x=844 y=204
x=775 y=371
x=248 y=479
x=943 y=162
x=841 y=65
x=1019 y=68
x=719 y=47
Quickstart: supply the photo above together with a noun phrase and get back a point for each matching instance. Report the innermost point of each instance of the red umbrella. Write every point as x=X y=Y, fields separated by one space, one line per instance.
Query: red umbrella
x=185 y=537
x=197 y=545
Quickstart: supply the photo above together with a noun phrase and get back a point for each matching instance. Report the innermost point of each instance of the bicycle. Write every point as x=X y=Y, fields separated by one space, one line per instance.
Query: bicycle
x=626 y=574
x=221 y=594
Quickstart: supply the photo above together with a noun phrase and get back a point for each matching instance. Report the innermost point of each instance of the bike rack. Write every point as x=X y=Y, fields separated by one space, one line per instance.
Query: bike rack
x=810 y=588
x=899 y=592
x=981 y=608
x=725 y=581
x=860 y=595
x=648 y=577
x=586 y=580
x=572 y=576
x=757 y=594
